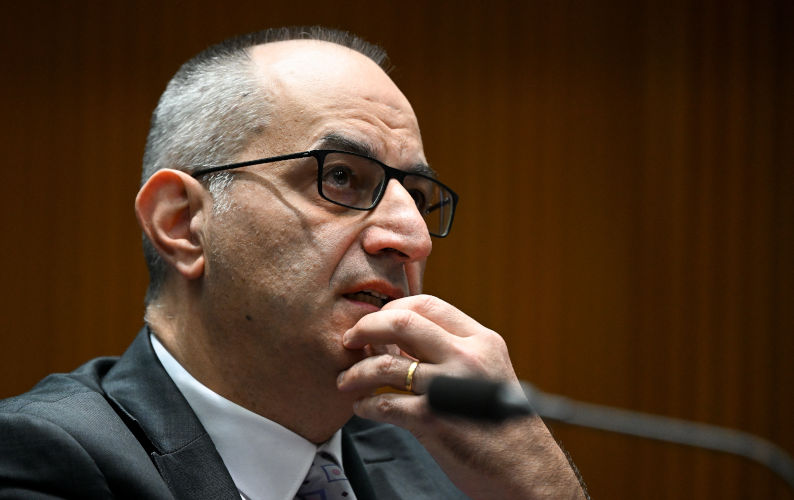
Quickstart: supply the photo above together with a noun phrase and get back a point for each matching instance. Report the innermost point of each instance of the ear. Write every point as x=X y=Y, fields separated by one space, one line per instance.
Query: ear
x=171 y=208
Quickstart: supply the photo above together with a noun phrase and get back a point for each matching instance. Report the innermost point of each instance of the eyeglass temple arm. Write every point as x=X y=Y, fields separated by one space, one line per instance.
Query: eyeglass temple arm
x=438 y=205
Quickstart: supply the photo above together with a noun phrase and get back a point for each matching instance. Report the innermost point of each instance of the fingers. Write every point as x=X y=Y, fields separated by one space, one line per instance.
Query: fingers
x=413 y=333
x=376 y=349
x=421 y=325
x=443 y=340
x=397 y=409
x=445 y=315
x=385 y=370
x=425 y=329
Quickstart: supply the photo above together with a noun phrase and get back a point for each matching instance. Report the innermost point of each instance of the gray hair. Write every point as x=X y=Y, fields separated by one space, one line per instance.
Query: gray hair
x=211 y=110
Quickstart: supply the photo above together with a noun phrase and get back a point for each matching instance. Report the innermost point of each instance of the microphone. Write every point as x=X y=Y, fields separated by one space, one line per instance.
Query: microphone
x=478 y=399
x=494 y=401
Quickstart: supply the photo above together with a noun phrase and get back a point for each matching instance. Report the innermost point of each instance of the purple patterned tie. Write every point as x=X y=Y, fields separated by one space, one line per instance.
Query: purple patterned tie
x=325 y=481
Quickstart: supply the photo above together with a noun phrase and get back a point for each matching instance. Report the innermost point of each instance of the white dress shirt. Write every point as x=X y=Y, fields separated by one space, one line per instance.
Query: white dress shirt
x=266 y=461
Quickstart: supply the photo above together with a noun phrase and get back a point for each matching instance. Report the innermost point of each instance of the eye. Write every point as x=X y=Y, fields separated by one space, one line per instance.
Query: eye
x=338 y=176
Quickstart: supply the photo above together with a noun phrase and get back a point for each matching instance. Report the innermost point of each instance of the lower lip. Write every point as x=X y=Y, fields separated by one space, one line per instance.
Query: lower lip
x=364 y=305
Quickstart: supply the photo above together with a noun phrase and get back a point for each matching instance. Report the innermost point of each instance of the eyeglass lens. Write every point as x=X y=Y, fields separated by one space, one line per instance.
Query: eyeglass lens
x=358 y=182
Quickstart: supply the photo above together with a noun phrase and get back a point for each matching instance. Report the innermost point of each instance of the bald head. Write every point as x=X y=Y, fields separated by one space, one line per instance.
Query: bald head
x=315 y=89
x=313 y=64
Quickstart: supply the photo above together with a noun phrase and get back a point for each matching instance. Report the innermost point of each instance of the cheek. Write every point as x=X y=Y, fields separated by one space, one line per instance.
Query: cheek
x=280 y=260
x=287 y=248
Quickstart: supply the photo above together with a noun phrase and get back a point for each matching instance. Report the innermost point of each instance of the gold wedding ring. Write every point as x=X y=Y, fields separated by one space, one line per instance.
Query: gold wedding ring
x=409 y=378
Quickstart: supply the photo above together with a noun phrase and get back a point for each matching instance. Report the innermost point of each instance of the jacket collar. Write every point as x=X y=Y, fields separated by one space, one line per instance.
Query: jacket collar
x=157 y=413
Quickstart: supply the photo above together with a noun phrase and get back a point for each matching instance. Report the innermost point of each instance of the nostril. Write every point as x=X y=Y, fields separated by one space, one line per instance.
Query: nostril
x=394 y=250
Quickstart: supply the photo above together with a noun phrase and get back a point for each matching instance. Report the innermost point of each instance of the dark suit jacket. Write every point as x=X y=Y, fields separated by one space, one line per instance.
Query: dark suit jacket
x=119 y=427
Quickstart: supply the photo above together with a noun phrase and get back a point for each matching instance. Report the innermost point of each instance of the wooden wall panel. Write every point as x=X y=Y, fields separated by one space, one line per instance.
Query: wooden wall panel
x=626 y=183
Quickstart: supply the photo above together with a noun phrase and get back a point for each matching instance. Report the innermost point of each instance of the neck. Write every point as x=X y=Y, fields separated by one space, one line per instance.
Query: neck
x=272 y=385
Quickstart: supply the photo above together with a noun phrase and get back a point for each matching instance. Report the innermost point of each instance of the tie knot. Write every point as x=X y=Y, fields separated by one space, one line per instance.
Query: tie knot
x=325 y=481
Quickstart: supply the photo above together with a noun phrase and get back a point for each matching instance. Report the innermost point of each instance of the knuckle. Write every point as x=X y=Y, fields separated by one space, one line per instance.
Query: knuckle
x=385 y=406
x=485 y=355
x=494 y=339
x=385 y=365
x=403 y=320
x=427 y=304
x=459 y=350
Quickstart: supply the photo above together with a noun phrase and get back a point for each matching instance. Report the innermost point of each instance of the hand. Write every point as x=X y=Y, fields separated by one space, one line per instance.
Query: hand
x=517 y=459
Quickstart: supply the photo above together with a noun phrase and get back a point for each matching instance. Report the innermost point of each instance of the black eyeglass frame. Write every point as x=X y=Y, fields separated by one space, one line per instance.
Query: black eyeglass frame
x=319 y=155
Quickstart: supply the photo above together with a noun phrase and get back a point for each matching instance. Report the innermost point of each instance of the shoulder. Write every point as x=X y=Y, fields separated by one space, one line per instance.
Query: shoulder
x=40 y=430
x=39 y=455
x=65 y=404
x=63 y=438
x=62 y=399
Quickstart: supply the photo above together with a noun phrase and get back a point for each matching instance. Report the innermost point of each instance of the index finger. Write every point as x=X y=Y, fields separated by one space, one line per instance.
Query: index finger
x=444 y=314
x=410 y=331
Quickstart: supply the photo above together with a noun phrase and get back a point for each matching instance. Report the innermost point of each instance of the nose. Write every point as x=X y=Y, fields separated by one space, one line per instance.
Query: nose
x=395 y=226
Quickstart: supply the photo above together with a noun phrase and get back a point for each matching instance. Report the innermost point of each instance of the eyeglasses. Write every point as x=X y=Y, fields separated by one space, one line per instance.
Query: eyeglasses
x=359 y=182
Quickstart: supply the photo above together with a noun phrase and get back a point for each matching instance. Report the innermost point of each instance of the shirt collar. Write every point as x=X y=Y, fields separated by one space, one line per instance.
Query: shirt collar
x=266 y=460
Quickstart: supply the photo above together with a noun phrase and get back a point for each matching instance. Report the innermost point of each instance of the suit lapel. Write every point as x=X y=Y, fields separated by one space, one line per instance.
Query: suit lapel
x=160 y=417
x=196 y=471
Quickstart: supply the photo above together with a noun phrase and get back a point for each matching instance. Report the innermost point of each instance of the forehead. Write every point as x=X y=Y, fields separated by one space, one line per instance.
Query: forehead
x=318 y=89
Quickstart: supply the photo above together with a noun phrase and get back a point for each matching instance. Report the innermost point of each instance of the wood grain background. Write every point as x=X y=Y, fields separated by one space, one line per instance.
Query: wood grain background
x=625 y=171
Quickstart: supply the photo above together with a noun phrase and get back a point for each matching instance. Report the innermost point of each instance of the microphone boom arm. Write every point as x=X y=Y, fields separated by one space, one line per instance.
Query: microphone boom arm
x=662 y=428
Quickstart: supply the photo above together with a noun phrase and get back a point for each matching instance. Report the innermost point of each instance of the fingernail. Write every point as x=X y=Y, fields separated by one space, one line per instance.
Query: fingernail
x=340 y=377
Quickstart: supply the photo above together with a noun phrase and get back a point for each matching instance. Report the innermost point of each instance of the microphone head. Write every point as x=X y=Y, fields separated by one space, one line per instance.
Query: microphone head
x=477 y=399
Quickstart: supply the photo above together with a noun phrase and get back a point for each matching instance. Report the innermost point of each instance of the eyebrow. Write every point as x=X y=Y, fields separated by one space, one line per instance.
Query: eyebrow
x=341 y=142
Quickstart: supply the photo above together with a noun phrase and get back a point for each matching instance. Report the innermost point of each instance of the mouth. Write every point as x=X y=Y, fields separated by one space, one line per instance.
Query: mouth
x=369 y=297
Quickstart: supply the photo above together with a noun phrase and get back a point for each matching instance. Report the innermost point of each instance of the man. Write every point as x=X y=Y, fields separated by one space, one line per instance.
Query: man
x=287 y=211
